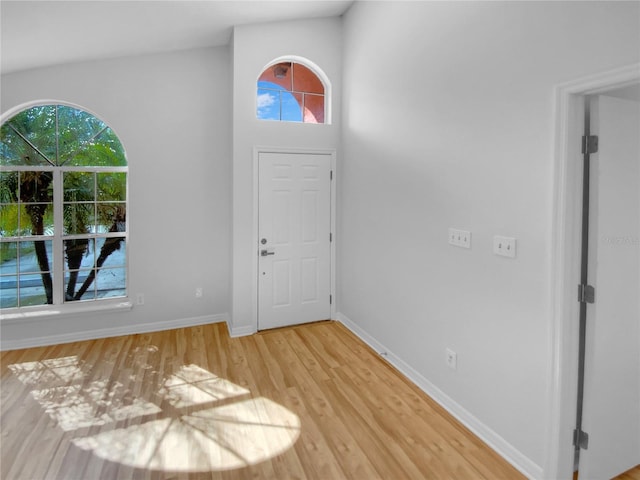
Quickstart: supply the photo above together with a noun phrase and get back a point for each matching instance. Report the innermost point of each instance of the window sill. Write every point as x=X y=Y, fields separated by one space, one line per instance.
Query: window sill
x=37 y=313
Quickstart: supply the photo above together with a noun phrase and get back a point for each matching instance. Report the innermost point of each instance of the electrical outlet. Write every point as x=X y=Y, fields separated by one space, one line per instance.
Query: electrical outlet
x=460 y=238
x=452 y=359
x=199 y=292
x=504 y=246
x=140 y=299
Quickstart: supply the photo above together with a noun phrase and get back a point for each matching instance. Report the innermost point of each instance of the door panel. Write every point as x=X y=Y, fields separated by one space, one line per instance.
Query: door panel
x=281 y=283
x=611 y=415
x=294 y=221
x=310 y=209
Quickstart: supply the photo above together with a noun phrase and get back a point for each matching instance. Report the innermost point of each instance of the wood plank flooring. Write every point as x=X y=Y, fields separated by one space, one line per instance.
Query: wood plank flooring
x=308 y=402
x=633 y=474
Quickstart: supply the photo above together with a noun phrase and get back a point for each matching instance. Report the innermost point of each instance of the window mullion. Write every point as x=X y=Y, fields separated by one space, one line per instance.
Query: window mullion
x=58 y=247
x=57 y=138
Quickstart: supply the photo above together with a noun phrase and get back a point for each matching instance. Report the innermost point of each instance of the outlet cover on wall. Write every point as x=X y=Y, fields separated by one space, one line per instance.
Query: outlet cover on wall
x=452 y=359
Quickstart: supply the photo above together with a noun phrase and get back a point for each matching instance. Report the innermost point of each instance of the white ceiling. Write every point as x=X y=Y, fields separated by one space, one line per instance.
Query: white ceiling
x=49 y=32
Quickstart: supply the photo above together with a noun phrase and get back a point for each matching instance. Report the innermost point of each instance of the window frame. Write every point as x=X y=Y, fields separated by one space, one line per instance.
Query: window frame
x=58 y=267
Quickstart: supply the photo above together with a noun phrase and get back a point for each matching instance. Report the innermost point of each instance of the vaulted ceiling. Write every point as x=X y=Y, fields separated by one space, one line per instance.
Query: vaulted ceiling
x=50 y=32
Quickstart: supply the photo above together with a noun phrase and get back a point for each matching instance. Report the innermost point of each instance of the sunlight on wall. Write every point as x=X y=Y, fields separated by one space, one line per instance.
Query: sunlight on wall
x=195 y=421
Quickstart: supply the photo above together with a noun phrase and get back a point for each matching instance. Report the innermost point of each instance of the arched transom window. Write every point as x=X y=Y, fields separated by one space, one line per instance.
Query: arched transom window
x=63 y=208
x=291 y=92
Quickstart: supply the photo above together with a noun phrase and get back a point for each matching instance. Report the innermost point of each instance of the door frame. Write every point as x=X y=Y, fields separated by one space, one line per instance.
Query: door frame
x=257 y=150
x=565 y=261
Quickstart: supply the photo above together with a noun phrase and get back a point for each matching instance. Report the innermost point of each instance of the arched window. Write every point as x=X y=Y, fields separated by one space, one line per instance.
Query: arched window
x=290 y=91
x=63 y=208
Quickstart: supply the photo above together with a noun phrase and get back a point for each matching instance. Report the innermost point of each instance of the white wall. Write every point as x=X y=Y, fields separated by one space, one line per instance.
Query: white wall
x=254 y=47
x=172 y=114
x=448 y=122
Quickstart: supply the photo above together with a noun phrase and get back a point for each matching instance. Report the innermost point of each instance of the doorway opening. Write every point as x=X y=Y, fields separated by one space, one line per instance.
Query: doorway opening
x=589 y=348
x=608 y=397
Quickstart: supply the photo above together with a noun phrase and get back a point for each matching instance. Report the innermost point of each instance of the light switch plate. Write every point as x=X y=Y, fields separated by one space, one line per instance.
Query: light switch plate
x=460 y=238
x=504 y=246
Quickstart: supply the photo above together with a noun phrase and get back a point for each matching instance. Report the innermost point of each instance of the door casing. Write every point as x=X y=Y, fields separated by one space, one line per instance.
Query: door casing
x=255 y=233
x=565 y=262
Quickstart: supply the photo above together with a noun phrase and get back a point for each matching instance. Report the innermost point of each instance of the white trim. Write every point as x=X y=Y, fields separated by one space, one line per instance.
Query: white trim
x=242 y=331
x=565 y=264
x=62 y=168
x=30 y=314
x=482 y=431
x=334 y=223
x=112 y=332
x=257 y=150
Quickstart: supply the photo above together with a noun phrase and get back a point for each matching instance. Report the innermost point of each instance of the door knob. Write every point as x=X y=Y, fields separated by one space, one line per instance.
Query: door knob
x=264 y=253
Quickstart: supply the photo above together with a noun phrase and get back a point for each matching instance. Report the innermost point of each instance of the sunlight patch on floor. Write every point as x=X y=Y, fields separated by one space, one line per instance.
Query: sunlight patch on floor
x=193 y=421
x=222 y=438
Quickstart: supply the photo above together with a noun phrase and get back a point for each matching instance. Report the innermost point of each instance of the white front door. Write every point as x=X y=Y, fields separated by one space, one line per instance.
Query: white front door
x=294 y=249
x=611 y=415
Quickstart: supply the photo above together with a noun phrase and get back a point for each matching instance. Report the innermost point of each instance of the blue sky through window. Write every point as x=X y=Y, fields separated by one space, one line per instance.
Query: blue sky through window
x=276 y=103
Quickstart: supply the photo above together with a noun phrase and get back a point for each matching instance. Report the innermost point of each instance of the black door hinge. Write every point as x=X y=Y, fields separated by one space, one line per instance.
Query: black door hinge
x=589 y=144
x=580 y=439
x=586 y=294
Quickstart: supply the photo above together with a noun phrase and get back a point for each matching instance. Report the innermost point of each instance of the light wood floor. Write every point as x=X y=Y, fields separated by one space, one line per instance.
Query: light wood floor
x=633 y=474
x=309 y=402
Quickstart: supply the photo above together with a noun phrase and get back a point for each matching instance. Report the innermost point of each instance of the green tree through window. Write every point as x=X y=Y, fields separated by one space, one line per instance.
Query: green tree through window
x=63 y=208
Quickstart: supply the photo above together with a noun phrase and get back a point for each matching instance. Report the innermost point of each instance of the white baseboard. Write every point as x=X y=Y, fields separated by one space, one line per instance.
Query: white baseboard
x=111 y=332
x=486 y=434
x=242 y=331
